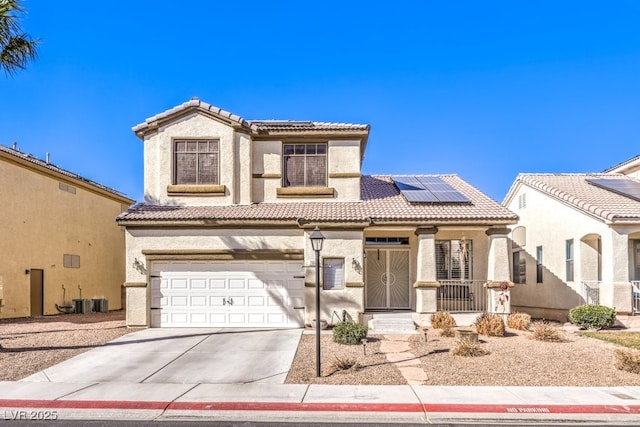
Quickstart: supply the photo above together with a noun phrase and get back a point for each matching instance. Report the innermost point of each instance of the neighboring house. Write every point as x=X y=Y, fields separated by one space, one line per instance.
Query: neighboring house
x=222 y=238
x=577 y=241
x=59 y=239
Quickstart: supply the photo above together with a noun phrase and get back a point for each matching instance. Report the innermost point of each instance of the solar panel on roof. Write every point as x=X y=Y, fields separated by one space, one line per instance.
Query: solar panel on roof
x=624 y=187
x=428 y=189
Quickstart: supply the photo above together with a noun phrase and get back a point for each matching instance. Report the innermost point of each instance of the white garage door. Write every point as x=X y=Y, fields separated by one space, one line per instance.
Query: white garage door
x=227 y=293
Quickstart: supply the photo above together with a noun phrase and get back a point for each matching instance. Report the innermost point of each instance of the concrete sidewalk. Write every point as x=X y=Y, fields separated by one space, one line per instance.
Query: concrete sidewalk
x=316 y=403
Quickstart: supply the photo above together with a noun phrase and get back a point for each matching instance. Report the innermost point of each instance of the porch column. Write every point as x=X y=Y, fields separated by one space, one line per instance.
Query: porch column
x=426 y=284
x=498 y=274
x=615 y=288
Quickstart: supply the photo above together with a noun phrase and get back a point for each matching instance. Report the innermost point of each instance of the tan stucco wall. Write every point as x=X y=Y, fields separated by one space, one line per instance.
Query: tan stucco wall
x=158 y=159
x=343 y=172
x=40 y=223
x=549 y=223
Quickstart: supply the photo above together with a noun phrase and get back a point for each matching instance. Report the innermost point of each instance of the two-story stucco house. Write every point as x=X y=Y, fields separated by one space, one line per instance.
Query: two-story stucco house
x=577 y=241
x=59 y=239
x=222 y=238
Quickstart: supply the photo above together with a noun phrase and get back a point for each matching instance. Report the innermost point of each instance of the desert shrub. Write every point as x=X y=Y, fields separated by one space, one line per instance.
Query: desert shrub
x=592 y=316
x=490 y=325
x=627 y=360
x=344 y=364
x=349 y=333
x=519 y=321
x=447 y=332
x=468 y=348
x=545 y=331
x=442 y=320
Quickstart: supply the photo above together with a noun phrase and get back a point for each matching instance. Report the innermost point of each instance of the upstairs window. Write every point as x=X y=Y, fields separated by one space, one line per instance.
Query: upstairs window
x=196 y=162
x=454 y=259
x=304 y=165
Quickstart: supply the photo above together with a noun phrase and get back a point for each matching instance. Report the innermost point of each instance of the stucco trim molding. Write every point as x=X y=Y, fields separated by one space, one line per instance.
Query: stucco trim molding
x=267 y=175
x=135 y=284
x=345 y=175
x=354 y=284
x=426 y=284
x=223 y=254
x=197 y=190
x=497 y=230
x=494 y=284
x=305 y=192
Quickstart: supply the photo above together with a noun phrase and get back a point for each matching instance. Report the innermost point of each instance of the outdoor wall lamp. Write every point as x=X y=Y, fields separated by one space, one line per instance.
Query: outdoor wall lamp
x=317 y=238
x=27 y=271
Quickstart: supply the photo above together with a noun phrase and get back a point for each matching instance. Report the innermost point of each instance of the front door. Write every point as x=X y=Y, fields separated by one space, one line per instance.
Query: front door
x=387 y=279
x=37 y=291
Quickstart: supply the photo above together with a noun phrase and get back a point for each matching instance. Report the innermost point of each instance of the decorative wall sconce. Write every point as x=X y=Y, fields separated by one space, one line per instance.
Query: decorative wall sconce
x=27 y=271
x=355 y=264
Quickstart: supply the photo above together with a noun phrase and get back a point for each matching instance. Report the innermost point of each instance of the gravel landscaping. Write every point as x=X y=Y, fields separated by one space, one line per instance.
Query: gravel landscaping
x=31 y=345
x=513 y=360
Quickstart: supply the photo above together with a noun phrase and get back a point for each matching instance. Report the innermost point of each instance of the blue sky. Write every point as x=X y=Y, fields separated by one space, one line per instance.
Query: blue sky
x=485 y=90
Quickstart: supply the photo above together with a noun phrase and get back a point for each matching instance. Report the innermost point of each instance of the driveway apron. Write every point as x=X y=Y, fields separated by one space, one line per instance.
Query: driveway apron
x=184 y=356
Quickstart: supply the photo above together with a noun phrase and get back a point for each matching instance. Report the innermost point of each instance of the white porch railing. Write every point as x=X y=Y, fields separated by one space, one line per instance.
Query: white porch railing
x=635 y=296
x=591 y=291
x=462 y=296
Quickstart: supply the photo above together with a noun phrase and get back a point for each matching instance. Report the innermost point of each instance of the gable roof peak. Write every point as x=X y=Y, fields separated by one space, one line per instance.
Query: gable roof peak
x=194 y=104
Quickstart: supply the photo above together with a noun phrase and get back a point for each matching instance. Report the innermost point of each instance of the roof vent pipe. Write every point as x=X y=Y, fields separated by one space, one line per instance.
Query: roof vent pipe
x=15 y=145
x=47 y=158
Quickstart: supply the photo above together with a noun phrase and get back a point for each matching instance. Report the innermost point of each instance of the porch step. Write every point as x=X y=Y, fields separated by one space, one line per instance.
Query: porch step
x=391 y=325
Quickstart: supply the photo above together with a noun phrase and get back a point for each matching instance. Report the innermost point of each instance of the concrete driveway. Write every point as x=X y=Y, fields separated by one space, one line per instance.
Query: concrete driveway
x=183 y=356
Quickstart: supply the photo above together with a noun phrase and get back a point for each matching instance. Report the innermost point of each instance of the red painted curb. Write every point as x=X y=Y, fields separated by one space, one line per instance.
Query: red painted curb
x=323 y=407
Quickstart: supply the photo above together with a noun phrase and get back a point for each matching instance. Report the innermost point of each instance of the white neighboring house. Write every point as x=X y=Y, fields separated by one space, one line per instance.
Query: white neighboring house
x=222 y=238
x=577 y=241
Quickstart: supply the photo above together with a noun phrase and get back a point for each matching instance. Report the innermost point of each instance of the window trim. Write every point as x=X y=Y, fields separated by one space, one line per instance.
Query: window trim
x=178 y=188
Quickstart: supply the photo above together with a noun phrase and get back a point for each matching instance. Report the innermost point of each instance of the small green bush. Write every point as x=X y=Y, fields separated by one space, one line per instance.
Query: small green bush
x=442 y=320
x=490 y=325
x=350 y=333
x=592 y=316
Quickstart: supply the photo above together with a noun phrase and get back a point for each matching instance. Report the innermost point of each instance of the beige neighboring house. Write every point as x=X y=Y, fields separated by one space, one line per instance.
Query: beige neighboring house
x=223 y=236
x=59 y=238
x=577 y=241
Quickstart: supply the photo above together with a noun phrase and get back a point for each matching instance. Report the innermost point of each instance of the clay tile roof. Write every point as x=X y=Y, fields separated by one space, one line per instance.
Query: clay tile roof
x=264 y=126
x=381 y=202
x=574 y=190
x=192 y=104
x=302 y=126
x=53 y=168
x=384 y=201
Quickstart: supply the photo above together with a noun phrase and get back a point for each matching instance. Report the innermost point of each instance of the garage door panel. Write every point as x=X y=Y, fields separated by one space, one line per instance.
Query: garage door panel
x=255 y=284
x=263 y=293
x=198 y=284
x=237 y=284
x=198 y=301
